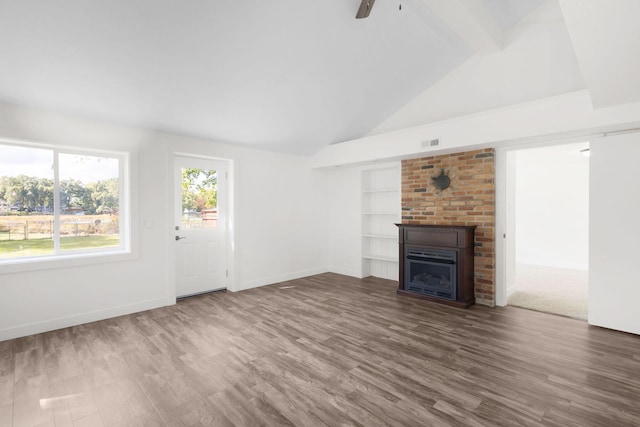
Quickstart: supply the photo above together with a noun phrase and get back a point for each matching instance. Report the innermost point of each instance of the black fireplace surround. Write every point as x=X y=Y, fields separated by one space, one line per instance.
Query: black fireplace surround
x=437 y=263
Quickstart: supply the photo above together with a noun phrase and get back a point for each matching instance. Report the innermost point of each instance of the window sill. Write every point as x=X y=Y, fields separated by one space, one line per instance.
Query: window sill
x=64 y=261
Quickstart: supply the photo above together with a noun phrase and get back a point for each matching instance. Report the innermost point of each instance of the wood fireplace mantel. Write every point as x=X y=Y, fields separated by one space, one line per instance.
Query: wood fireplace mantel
x=458 y=240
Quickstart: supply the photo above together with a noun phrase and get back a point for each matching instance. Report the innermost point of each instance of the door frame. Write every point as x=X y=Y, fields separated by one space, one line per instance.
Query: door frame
x=505 y=216
x=230 y=234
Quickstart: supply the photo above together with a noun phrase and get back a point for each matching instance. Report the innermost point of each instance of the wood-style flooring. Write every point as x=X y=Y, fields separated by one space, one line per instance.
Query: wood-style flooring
x=323 y=350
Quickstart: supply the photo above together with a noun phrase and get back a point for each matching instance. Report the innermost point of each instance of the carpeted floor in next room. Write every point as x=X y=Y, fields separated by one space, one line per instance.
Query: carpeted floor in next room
x=551 y=290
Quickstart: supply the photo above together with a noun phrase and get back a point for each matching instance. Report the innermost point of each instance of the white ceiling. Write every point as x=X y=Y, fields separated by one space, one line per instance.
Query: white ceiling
x=289 y=75
x=606 y=39
x=536 y=61
x=508 y=12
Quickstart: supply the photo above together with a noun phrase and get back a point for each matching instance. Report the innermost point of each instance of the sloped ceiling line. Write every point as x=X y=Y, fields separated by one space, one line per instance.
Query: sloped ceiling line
x=471 y=21
x=606 y=40
x=292 y=77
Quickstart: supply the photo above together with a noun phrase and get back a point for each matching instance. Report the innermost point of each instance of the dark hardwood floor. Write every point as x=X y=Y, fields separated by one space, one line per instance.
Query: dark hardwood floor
x=324 y=350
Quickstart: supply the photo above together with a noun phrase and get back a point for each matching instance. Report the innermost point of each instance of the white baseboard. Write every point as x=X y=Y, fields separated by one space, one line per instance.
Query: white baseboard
x=551 y=263
x=346 y=272
x=511 y=290
x=65 y=322
x=277 y=279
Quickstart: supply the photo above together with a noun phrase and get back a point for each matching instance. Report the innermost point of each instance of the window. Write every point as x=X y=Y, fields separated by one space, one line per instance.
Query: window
x=199 y=198
x=60 y=202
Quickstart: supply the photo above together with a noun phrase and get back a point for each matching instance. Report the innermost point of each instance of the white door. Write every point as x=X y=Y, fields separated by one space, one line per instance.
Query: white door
x=200 y=225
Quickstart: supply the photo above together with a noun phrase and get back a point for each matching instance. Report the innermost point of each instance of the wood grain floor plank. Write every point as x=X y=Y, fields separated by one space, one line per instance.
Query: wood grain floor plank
x=322 y=350
x=7 y=387
x=93 y=420
x=288 y=401
x=6 y=415
x=30 y=413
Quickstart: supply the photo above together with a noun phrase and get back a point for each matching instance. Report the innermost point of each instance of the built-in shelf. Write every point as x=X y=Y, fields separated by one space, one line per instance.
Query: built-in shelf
x=381 y=258
x=381 y=203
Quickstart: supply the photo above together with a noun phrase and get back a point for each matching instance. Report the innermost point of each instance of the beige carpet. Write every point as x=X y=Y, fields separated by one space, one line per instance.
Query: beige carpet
x=551 y=290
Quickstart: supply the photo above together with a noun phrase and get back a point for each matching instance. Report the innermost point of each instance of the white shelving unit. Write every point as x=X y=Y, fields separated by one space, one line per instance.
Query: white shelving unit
x=380 y=211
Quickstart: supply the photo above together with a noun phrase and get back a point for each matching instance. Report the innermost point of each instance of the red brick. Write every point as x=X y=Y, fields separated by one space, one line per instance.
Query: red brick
x=470 y=200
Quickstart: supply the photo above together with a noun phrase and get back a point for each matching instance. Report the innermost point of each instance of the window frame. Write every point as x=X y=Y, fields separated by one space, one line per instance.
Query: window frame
x=83 y=256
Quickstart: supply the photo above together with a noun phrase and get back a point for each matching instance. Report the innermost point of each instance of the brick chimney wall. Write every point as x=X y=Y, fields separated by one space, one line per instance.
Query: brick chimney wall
x=469 y=200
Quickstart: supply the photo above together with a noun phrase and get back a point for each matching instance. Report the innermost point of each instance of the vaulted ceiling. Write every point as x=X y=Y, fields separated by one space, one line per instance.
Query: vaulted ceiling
x=289 y=75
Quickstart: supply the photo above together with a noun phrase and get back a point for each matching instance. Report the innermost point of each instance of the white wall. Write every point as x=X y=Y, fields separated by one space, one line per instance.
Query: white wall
x=548 y=119
x=46 y=299
x=280 y=220
x=614 y=289
x=280 y=225
x=345 y=221
x=552 y=206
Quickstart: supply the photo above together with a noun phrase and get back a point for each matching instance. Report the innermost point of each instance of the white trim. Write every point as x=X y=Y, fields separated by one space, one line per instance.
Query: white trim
x=546 y=263
x=56 y=202
x=381 y=258
x=231 y=226
x=501 y=261
x=171 y=222
x=198 y=156
x=230 y=223
x=559 y=117
x=66 y=261
x=92 y=316
x=62 y=259
x=60 y=147
x=346 y=272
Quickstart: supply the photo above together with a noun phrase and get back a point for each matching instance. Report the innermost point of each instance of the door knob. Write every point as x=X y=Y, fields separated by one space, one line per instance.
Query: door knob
x=180 y=238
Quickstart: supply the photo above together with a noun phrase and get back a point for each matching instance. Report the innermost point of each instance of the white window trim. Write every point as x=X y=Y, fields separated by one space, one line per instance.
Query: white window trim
x=124 y=252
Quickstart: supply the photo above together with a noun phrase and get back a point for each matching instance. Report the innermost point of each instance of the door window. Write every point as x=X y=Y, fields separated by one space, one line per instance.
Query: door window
x=199 y=198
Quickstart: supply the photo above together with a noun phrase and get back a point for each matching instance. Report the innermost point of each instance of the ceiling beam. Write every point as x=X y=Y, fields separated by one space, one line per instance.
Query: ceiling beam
x=471 y=21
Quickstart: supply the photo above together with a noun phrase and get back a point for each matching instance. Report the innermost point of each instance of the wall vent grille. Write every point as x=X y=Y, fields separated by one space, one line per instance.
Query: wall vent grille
x=431 y=143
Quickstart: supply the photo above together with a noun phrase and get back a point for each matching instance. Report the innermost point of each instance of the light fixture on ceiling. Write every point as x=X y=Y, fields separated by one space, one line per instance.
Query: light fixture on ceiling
x=365 y=8
x=586 y=152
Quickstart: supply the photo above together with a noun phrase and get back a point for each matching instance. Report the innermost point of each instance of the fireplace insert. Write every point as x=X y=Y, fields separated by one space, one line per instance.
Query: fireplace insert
x=431 y=272
x=437 y=263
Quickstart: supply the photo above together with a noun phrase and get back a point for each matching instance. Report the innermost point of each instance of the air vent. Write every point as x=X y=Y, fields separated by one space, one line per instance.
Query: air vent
x=431 y=143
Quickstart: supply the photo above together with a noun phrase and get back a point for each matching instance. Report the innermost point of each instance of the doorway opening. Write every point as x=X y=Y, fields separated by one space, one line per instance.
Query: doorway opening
x=547 y=214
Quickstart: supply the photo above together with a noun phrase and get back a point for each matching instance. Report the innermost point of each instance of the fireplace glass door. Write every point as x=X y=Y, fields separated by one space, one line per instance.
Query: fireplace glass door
x=431 y=272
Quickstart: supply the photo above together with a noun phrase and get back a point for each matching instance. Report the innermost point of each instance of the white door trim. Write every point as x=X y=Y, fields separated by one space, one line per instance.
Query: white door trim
x=500 y=230
x=504 y=231
x=231 y=220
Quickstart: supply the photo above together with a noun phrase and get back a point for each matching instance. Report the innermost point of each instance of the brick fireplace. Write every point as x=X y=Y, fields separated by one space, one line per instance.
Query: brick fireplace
x=469 y=200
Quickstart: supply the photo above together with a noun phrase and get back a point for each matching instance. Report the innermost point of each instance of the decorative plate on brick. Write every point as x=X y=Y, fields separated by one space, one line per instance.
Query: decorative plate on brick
x=441 y=181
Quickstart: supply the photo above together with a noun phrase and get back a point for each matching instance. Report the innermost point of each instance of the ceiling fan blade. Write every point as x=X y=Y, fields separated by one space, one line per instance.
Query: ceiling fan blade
x=365 y=8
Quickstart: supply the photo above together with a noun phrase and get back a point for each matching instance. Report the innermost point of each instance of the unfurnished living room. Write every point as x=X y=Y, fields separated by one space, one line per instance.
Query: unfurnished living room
x=319 y=213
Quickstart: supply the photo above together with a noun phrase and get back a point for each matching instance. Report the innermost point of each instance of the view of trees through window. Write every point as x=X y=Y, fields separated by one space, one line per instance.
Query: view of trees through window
x=88 y=201
x=30 y=194
x=199 y=198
